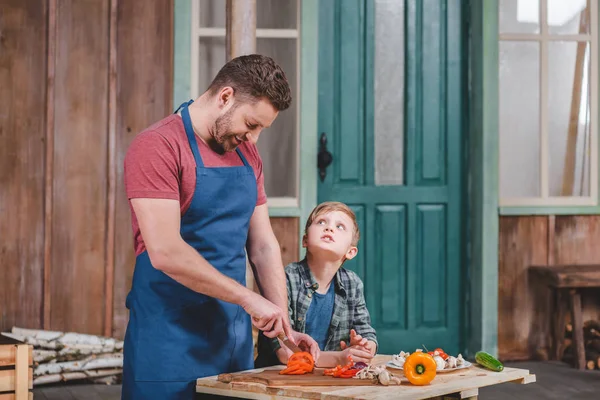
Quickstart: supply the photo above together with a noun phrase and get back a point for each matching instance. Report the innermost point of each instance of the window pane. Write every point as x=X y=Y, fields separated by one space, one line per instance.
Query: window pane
x=212 y=13
x=211 y=58
x=278 y=145
x=568 y=118
x=276 y=14
x=568 y=17
x=270 y=14
x=389 y=92
x=519 y=119
x=519 y=16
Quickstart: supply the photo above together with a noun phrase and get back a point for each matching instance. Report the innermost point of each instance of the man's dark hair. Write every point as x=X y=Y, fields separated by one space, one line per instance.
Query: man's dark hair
x=254 y=77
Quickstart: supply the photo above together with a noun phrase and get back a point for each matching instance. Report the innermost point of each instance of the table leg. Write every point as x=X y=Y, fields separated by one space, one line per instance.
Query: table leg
x=577 y=329
x=558 y=324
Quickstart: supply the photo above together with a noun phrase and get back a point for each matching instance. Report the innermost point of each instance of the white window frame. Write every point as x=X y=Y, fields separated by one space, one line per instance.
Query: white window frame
x=543 y=38
x=287 y=206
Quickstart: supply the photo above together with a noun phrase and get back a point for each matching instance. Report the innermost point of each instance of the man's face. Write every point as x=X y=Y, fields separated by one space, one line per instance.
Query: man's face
x=242 y=122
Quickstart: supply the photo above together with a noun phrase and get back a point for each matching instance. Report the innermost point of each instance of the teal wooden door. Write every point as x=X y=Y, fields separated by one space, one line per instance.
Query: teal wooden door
x=391 y=106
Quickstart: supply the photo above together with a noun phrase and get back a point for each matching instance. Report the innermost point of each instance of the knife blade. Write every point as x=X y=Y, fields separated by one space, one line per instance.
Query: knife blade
x=288 y=343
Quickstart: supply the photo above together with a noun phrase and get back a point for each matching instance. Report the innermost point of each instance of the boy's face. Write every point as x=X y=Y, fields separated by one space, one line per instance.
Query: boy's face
x=331 y=233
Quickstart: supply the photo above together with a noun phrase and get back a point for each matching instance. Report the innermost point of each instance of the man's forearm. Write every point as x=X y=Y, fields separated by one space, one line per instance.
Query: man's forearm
x=185 y=265
x=269 y=274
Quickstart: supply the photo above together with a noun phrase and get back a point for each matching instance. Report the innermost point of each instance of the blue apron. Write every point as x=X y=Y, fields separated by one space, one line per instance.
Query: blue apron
x=176 y=335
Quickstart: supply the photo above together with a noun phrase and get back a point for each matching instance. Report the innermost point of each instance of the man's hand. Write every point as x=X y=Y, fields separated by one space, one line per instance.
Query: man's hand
x=266 y=316
x=306 y=343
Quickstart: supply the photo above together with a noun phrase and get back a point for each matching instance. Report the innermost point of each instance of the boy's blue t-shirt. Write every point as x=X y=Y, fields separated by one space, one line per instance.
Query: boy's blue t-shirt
x=318 y=316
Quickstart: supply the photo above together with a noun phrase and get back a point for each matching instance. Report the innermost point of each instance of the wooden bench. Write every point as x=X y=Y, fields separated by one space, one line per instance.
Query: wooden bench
x=565 y=282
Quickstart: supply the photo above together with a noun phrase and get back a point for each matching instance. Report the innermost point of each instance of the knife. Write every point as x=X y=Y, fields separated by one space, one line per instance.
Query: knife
x=289 y=344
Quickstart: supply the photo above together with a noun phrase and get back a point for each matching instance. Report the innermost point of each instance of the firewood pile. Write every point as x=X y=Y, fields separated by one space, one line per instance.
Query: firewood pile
x=69 y=356
x=591 y=338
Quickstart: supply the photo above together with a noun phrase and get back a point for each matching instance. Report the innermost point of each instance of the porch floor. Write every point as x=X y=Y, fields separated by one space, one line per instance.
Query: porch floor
x=555 y=380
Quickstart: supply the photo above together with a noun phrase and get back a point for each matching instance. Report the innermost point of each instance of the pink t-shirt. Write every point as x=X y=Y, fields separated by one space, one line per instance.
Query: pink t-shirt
x=159 y=164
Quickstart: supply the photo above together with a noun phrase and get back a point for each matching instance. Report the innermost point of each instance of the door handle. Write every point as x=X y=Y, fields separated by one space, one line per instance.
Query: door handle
x=324 y=158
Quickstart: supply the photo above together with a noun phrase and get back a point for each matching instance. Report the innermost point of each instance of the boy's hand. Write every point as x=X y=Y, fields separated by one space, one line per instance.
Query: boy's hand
x=357 y=353
x=355 y=340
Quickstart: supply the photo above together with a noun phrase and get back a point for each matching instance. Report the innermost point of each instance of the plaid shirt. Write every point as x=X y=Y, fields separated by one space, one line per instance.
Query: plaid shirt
x=349 y=309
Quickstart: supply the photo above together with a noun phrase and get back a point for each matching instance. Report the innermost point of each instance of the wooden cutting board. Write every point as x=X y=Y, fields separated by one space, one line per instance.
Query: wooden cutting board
x=271 y=377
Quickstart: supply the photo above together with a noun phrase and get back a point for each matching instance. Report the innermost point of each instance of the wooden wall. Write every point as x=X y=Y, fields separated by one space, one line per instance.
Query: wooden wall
x=523 y=304
x=78 y=79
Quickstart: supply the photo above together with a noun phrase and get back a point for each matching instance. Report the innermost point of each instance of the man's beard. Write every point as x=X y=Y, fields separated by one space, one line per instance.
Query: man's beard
x=223 y=139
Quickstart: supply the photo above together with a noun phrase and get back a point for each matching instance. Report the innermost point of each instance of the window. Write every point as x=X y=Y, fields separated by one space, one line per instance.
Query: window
x=277 y=36
x=548 y=111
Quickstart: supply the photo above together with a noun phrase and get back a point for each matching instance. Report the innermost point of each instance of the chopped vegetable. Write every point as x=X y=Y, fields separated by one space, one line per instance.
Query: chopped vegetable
x=299 y=364
x=347 y=371
x=420 y=368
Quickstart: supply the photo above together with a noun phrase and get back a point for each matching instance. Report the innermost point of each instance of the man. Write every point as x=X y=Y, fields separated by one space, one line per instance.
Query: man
x=195 y=184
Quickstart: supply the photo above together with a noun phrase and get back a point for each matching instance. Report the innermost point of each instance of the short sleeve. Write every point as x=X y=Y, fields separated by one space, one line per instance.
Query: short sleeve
x=257 y=165
x=260 y=185
x=151 y=168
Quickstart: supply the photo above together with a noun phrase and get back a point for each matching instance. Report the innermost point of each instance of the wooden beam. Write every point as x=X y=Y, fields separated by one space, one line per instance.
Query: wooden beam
x=569 y=165
x=240 y=28
x=49 y=170
x=109 y=271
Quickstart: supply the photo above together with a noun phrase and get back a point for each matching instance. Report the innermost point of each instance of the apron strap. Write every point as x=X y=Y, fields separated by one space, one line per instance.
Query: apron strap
x=185 y=103
x=239 y=152
x=189 y=131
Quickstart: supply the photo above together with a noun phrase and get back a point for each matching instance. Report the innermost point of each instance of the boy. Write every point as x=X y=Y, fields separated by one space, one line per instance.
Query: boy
x=325 y=300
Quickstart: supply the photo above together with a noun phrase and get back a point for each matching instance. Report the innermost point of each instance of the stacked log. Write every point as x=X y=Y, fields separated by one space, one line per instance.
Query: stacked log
x=67 y=356
x=591 y=337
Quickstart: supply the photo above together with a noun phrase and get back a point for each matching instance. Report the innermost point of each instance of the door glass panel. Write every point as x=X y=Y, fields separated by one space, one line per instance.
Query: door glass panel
x=568 y=17
x=389 y=92
x=278 y=145
x=568 y=118
x=276 y=14
x=519 y=121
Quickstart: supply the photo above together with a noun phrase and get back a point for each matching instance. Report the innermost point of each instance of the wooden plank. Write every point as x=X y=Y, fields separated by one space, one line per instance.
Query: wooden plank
x=286 y=230
x=240 y=27
x=8 y=355
x=21 y=371
x=522 y=328
x=145 y=87
x=11 y=396
x=112 y=171
x=23 y=25
x=8 y=380
x=80 y=167
x=49 y=171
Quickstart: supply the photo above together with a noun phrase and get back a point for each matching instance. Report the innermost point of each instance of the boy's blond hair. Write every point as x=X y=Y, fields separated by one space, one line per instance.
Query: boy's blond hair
x=329 y=206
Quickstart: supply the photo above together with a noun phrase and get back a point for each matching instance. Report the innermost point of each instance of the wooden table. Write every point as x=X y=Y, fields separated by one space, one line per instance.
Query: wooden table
x=565 y=282
x=462 y=384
